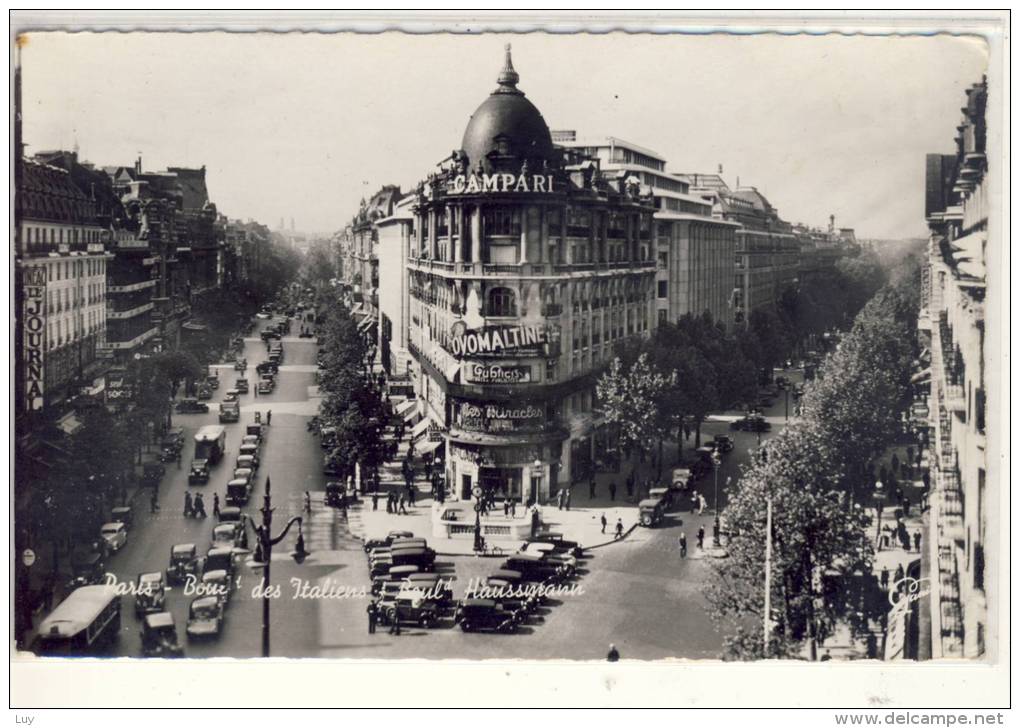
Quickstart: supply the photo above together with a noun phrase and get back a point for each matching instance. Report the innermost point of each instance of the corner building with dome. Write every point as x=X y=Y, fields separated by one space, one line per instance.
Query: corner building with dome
x=526 y=267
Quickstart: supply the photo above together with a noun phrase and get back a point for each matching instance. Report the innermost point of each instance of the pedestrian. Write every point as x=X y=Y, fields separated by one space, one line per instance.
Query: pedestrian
x=403 y=510
x=373 y=615
x=906 y=506
x=411 y=491
x=256 y=390
x=694 y=501
x=619 y=529
x=898 y=576
x=199 y=506
x=188 y=507
x=917 y=541
x=216 y=504
x=591 y=487
x=604 y=522
x=506 y=508
x=567 y=500
x=701 y=537
x=269 y=417
x=559 y=499
x=701 y=504
x=883 y=578
x=154 y=502
x=612 y=490
x=308 y=502
x=683 y=545
x=614 y=654
x=375 y=501
x=394 y=622
x=178 y=459
x=895 y=463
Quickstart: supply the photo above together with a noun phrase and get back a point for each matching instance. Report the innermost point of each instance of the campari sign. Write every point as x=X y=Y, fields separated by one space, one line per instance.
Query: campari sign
x=473 y=184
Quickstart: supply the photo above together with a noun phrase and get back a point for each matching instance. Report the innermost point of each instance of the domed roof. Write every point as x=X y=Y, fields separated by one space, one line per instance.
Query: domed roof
x=506 y=128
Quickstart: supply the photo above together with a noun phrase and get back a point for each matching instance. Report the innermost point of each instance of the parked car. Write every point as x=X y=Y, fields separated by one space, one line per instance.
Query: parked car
x=199 y=472
x=485 y=614
x=422 y=557
x=204 y=391
x=238 y=492
x=191 y=405
x=722 y=443
x=246 y=474
x=183 y=562
x=213 y=381
x=572 y=547
x=266 y=386
x=241 y=385
x=751 y=423
x=122 y=514
x=413 y=605
x=150 y=593
x=230 y=514
x=159 y=636
x=374 y=543
x=205 y=618
x=226 y=535
x=152 y=473
x=217 y=584
x=535 y=568
x=247 y=461
x=114 y=534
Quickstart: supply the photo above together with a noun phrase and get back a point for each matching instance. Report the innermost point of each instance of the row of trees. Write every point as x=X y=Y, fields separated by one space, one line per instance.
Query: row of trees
x=352 y=403
x=814 y=475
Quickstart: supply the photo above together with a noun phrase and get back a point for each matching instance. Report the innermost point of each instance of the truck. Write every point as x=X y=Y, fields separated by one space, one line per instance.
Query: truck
x=210 y=443
x=230 y=411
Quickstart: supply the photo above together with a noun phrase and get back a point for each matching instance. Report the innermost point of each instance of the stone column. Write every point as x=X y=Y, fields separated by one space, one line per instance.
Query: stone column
x=543 y=235
x=476 y=234
x=432 y=234
x=448 y=254
x=568 y=254
x=523 y=212
x=458 y=250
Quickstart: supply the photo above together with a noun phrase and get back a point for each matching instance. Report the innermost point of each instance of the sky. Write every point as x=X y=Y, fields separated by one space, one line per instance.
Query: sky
x=304 y=125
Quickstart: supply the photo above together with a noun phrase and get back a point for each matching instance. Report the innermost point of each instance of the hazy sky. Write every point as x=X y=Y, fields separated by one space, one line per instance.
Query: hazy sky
x=304 y=125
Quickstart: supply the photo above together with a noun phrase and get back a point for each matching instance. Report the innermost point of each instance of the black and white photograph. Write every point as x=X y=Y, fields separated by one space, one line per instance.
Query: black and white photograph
x=675 y=346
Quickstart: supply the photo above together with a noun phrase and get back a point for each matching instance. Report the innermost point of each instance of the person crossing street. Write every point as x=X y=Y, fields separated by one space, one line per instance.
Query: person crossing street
x=216 y=504
x=189 y=509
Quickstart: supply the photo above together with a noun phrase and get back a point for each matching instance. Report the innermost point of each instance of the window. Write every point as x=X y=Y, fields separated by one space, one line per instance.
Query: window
x=663 y=260
x=502 y=221
x=502 y=302
x=663 y=314
x=663 y=289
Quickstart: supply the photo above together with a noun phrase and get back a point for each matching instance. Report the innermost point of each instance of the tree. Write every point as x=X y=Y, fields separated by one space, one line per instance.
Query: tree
x=629 y=400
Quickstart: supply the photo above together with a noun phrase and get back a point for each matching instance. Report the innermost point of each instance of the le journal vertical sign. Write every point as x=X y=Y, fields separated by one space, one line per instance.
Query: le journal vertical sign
x=35 y=325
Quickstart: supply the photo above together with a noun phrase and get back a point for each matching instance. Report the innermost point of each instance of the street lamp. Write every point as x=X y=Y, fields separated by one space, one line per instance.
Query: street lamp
x=477 y=493
x=716 y=462
x=264 y=554
x=879 y=496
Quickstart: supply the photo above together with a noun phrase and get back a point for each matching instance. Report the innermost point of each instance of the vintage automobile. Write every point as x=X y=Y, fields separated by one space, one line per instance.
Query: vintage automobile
x=238 y=492
x=379 y=567
x=231 y=395
x=183 y=562
x=226 y=536
x=241 y=365
x=267 y=367
x=217 y=584
x=246 y=474
x=269 y=333
x=650 y=512
x=485 y=614
x=172 y=444
x=782 y=382
x=205 y=618
x=722 y=443
x=257 y=429
x=751 y=423
x=122 y=514
x=249 y=440
x=213 y=381
x=374 y=543
x=412 y=605
x=204 y=391
x=150 y=593
x=434 y=583
x=266 y=386
x=114 y=534
x=393 y=573
x=548 y=552
x=535 y=568
x=681 y=479
x=247 y=461
x=230 y=514
x=159 y=636
x=88 y=567
x=199 y=472
x=663 y=495
x=513 y=584
x=422 y=557
x=152 y=473
x=219 y=558
x=336 y=494
x=572 y=547
x=241 y=385
x=191 y=405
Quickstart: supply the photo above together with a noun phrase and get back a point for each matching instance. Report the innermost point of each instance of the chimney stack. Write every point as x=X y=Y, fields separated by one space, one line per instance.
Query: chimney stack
x=138 y=164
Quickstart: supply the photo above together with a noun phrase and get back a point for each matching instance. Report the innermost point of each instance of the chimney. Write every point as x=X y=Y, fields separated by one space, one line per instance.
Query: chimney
x=138 y=164
x=720 y=169
x=832 y=223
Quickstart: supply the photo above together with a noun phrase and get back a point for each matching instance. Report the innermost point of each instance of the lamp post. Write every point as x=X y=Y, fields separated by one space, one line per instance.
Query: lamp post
x=879 y=496
x=476 y=491
x=716 y=462
x=264 y=554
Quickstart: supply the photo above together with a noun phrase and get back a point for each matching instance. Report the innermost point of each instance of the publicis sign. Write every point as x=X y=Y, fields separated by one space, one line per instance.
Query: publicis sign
x=497 y=340
x=496 y=374
x=34 y=284
x=472 y=184
x=500 y=418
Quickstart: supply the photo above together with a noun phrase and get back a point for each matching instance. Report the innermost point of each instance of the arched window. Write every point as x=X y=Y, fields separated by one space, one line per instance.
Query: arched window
x=502 y=302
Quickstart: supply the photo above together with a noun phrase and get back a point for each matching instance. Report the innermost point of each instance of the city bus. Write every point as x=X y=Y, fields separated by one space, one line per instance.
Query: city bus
x=84 y=623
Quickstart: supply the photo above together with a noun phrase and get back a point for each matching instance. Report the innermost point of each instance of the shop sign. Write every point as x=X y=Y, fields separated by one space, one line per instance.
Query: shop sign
x=35 y=328
x=497 y=374
x=473 y=184
x=497 y=340
x=500 y=418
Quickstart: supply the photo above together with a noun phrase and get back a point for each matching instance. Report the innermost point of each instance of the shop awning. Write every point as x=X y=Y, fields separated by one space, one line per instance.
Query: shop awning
x=922 y=376
x=411 y=415
x=360 y=308
x=69 y=423
x=430 y=446
x=366 y=323
x=420 y=429
x=404 y=407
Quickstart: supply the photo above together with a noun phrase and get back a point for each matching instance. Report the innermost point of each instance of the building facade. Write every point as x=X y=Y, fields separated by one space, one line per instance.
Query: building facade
x=952 y=320
x=395 y=233
x=525 y=268
x=694 y=252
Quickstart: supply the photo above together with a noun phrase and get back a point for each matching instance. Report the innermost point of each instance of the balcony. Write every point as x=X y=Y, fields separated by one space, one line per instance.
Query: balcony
x=552 y=309
x=956 y=400
x=501 y=268
x=128 y=313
